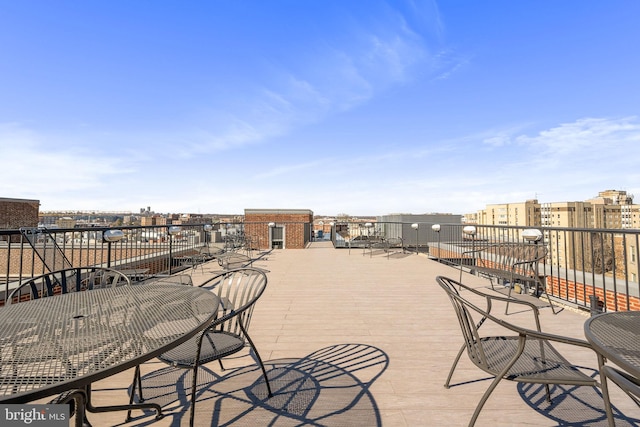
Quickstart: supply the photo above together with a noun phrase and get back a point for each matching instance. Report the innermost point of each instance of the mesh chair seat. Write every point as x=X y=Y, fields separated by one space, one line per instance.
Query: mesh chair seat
x=539 y=363
x=215 y=345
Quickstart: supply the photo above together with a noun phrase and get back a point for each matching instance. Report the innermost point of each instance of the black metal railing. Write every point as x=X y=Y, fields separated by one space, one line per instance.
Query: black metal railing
x=585 y=267
x=141 y=250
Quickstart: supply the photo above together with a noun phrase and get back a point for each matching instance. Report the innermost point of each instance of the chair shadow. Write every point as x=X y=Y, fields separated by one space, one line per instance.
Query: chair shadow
x=327 y=387
x=572 y=405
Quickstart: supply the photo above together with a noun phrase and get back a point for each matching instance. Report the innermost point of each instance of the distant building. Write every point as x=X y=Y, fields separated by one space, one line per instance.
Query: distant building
x=523 y=214
x=400 y=225
x=611 y=209
x=66 y=222
x=147 y=221
x=17 y=213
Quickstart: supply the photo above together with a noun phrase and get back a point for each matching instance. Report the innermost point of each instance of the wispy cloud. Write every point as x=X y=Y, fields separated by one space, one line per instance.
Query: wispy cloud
x=586 y=136
x=338 y=76
x=40 y=164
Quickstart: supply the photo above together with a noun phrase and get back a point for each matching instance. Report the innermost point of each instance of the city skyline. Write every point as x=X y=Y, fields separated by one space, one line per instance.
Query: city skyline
x=363 y=108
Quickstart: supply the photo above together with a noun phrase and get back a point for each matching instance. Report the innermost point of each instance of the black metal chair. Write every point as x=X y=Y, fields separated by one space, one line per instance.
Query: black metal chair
x=522 y=355
x=510 y=262
x=74 y=279
x=238 y=291
x=176 y=279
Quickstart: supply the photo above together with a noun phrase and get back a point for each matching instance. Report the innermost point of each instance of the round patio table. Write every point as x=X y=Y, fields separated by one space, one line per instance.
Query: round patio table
x=66 y=342
x=615 y=336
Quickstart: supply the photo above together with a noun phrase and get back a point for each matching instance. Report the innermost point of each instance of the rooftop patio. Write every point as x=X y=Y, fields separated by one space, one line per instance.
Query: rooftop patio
x=358 y=340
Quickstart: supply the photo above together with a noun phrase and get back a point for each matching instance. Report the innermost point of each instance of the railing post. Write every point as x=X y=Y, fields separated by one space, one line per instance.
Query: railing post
x=171 y=231
x=596 y=305
x=111 y=236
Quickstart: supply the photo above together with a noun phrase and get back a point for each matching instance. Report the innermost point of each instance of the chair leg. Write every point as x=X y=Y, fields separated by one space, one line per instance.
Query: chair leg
x=511 y=284
x=194 y=386
x=495 y=382
x=255 y=350
x=605 y=392
x=484 y=399
x=453 y=367
x=543 y=289
x=548 y=391
x=194 y=383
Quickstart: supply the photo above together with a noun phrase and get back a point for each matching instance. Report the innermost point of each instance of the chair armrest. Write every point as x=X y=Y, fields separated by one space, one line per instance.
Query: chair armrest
x=526 y=332
x=490 y=298
x=557 y=338
x=537 y=256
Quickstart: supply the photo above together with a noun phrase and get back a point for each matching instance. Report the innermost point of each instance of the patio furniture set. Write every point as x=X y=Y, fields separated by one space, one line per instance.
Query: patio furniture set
x=64 y=330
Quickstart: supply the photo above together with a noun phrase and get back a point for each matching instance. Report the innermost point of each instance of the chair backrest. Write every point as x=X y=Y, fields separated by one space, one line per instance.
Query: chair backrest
x=238 y=290
x=507 y=255
x=68 y=280
x=468 y=324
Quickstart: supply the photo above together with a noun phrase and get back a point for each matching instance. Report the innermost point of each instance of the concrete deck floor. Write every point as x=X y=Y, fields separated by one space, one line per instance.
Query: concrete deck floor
x=353 y=340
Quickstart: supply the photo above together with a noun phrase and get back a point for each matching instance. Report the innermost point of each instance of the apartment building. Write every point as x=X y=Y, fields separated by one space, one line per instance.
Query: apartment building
x=610 y=209
x=523 y=214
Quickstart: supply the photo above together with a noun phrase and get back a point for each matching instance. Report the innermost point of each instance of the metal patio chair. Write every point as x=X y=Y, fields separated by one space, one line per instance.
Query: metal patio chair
x=67 y=280
x=238 y=291
x=522 y=355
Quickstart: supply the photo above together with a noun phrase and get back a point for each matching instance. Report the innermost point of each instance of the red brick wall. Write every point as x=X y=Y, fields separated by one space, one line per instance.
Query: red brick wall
x=256 y=225
x=16 y=213
x=572 y=291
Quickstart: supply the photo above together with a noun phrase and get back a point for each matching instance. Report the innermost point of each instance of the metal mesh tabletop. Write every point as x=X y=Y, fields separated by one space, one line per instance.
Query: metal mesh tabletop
x=54 y=344
x=617 y=337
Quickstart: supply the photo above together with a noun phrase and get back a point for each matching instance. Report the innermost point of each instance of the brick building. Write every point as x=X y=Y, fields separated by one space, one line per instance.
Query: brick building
x=278 y=228
x=16 y=213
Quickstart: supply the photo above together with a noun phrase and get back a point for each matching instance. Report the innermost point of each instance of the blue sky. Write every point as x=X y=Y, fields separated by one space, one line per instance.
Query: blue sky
x=359 y=107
